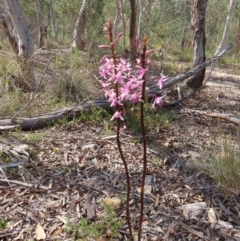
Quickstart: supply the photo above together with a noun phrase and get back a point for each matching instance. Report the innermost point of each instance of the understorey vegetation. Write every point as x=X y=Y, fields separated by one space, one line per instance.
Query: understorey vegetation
x=120 y=121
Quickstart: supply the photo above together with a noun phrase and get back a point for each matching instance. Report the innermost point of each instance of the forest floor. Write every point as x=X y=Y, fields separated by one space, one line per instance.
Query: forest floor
x=74 y=167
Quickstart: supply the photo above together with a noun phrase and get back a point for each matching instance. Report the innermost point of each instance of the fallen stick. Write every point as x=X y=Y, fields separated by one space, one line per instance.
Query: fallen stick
x=23 y=184
x=228 y=117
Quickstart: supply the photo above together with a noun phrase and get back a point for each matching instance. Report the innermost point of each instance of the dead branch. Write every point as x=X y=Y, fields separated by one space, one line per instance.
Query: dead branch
x=9 y=128
x=228 y=117
x=48 y=119
x=23 y=184
x=155 y=89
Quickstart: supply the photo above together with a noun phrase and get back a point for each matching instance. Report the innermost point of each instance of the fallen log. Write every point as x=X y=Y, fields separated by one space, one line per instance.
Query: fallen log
x=48 y=119
x=38 y=122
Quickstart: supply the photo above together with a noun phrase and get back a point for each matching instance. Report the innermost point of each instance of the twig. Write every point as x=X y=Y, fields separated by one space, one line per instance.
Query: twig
x=7 y=128
x=13 y=164
x=227 y=212
x=34 y=93
x=5 y=178
x=184 y=98
x=23 y=184
x=170 y=228
x=193 y=231
x=228 y=117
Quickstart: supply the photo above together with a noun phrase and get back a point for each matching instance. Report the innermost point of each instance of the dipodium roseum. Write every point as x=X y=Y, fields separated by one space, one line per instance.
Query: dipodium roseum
x=129 y=79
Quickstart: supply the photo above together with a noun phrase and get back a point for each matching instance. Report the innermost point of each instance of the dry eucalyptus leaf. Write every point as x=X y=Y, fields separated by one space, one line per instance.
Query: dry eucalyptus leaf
x=88 y=146
x=225 y=225
x=147 y=189
x=114 y=202
x=108 y=233
x=56 y=233
x=193 y=209
x=212 y=216
x=40 y=233
x=31 y=197
x=64 y=220
x=42 y=214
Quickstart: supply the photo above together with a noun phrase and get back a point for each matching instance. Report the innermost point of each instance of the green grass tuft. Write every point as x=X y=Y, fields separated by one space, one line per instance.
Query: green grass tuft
x=108 y=225
x=223 y=165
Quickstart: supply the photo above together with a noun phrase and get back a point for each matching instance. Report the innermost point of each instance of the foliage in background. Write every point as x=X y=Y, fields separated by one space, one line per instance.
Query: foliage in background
x=160 y=21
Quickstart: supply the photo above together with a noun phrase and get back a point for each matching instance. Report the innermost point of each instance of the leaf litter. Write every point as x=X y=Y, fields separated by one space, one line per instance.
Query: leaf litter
x=76 y=168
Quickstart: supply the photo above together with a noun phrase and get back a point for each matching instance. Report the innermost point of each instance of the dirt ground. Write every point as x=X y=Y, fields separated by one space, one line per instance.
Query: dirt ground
x=77 y=165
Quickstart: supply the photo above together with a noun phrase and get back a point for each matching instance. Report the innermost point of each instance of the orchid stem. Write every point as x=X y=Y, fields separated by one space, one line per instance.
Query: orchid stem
x=143 y=56
x=119 y=143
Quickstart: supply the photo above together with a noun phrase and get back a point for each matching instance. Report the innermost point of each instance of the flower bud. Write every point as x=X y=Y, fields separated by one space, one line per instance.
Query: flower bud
x=119 y=36
x=113 y=45
x=150 y=51
x=103 y=59
x=103 y=46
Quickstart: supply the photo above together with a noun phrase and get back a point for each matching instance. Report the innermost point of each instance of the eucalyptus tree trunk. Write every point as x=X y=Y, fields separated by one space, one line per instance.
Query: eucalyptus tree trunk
x=223 y=43
x=117 y=19
x=199 y=41
x=132 y=33
x=41 y=27
x=141 y=11
x=80 y=26
x=17 y=31
x=238 y=38
x=52 y=20
x=122 y=2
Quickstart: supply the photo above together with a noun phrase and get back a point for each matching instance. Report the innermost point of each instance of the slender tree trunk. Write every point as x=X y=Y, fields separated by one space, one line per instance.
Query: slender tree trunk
x=199 y=41
x=80 y=26
x=238 y=38
x=223 y=43
x=124 y=24
x=41 y=28
x=132 y=33
x=52 y=21
x=117 y=19
x=19 y=36
x=140 y=17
